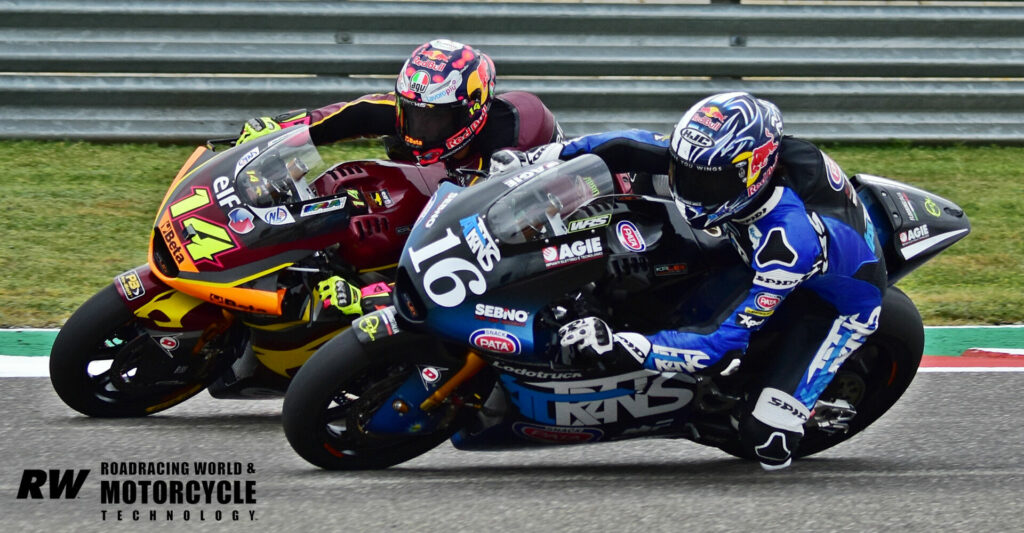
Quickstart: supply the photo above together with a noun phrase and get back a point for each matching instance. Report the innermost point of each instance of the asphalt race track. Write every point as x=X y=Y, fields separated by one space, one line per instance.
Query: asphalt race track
x=948 y=457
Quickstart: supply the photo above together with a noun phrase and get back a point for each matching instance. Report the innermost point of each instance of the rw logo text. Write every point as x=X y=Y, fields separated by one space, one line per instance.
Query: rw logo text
x=62 y=483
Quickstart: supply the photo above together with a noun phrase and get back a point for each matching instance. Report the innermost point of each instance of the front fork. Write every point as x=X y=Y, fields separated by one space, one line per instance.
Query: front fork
x=411 y=408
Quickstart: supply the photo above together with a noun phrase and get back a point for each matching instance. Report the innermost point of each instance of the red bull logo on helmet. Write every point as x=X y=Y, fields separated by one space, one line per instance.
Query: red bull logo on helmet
x=710 y=117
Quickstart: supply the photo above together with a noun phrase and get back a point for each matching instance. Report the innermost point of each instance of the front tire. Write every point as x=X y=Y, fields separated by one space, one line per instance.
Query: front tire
x=337 y=391
x=104 y=364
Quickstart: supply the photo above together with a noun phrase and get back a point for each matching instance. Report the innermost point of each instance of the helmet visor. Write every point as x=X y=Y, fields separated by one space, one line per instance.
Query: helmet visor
x=426 y=126
x=706 y=187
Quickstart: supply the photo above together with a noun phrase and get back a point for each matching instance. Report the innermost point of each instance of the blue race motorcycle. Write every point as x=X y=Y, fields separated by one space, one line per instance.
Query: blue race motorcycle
x=469 y=349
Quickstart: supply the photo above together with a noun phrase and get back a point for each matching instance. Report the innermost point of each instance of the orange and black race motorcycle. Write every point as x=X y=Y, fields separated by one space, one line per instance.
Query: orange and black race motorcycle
x=225 y=300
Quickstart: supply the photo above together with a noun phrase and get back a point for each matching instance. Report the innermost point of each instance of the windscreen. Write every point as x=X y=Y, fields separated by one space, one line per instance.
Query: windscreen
x=279 y=174
x=542 y=199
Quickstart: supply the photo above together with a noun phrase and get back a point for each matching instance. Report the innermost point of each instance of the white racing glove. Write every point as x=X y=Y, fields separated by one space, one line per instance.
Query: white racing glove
x=504 y=160
x=592 y=338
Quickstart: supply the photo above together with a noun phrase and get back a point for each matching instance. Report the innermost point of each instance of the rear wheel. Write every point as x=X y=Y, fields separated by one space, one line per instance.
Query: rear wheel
x=872 y=379
x=877 y=375
x=104 y=364
x=335 y=394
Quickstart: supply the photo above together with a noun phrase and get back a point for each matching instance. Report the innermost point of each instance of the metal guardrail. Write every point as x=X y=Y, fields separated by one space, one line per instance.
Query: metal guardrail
x=189 y=70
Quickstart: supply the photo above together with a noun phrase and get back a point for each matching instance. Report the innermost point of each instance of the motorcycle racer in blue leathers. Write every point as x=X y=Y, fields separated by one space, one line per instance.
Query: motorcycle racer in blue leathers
x=793 y=216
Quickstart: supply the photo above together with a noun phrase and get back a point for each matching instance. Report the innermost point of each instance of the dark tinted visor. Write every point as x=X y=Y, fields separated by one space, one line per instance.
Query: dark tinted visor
x=428 y=124
x=708 y=188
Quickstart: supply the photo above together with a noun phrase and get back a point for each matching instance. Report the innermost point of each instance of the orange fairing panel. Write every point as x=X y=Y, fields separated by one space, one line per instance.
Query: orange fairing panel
x=236 y=298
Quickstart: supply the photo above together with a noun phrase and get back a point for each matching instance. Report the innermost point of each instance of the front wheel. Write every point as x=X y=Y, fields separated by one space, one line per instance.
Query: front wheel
x=331 y=401
x=104 y=364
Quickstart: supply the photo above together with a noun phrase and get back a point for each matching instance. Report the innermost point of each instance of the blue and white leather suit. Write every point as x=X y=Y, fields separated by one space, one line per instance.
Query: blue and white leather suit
x=810 y=232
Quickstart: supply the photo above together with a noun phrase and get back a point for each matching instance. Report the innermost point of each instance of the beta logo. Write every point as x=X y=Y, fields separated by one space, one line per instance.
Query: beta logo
x=572 y=252
x=495 y=340
x=630 y=237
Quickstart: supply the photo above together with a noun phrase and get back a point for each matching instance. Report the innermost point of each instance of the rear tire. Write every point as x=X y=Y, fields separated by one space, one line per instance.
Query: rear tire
x=872 y=379
x=341 y=387
x=96 y=358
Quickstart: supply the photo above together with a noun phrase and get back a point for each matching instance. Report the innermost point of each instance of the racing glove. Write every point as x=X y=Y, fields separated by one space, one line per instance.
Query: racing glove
x=504 y=160
x=338 y=296
x=257 y=127
x=592 y=339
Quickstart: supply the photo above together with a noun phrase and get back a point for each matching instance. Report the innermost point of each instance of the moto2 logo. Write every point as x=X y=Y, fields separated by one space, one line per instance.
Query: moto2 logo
x=64 y=484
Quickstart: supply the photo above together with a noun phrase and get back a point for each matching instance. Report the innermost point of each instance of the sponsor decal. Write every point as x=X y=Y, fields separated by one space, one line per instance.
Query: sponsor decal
x=429 y=63
x=527 y=175
x=675 y=269
x=275 y=216
x=557 y=435
x=440 y=207
x=605 y=400
x=495 y=340
x=710 y=117
x=381 y=198
x=572 y=252
x=225 y=192
x=246 y=159
x=683 y=360
x=168 y=343
x=240 y=220
x=376 y=325
x=584 y=224
x=785 y=406
x=758 y=312
x=505 y=315
x=480 y=242
x=758 y=161
x=630 y=237
x=777 y=279
x=748 y=321
x=466 y=132
x=836 y=178
x=326 y=206
x=912 y=235
x=932 y=208
x=419 y=81
x=131 y=285
x=430 y=375
x=697 y=138
x=446 y=45
x=538 y=374
x=766 y=300
x=908 y=206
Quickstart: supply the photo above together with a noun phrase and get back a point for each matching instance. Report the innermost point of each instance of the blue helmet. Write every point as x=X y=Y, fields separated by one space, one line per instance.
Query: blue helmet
x=723 y=153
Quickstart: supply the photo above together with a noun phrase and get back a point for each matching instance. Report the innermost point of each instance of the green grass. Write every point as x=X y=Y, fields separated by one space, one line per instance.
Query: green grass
x=77 y=214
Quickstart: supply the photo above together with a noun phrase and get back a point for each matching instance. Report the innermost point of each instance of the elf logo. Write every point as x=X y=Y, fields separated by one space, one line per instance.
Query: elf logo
x=63 y=484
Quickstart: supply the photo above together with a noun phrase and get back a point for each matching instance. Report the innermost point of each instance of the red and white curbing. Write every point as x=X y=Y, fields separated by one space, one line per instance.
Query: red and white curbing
x=976 y=360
